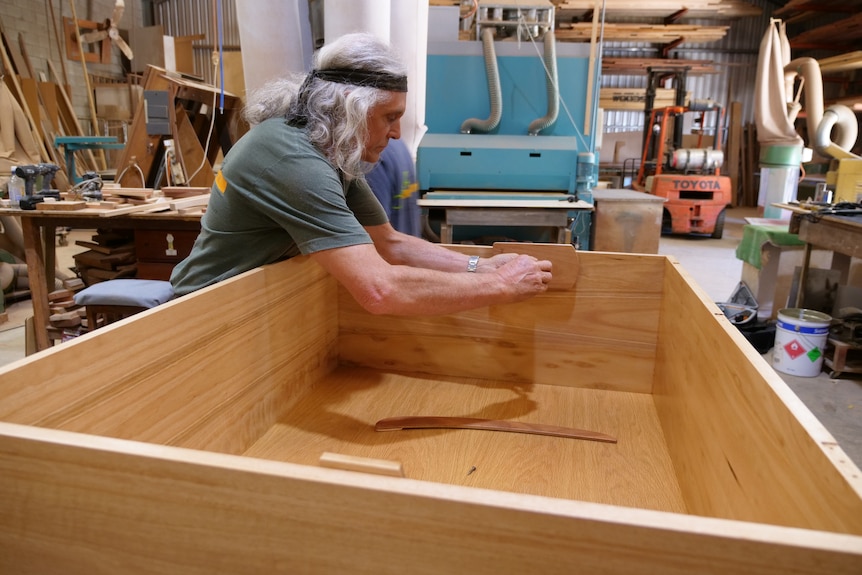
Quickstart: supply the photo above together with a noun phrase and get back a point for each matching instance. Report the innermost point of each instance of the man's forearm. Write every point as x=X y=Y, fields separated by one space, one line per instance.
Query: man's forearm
x=416 y=252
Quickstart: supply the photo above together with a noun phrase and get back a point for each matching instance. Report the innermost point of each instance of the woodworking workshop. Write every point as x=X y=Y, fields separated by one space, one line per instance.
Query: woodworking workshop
x=433 y=287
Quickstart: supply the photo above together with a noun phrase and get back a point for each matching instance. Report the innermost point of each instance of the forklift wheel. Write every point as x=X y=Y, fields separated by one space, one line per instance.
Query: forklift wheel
x=718 y=230
x=666 y=223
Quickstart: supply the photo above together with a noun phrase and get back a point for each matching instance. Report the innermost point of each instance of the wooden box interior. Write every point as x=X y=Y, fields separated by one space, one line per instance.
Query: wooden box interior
x=210 y=413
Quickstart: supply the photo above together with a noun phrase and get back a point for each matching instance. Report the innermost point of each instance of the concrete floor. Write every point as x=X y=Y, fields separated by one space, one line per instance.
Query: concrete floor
x=712 y=264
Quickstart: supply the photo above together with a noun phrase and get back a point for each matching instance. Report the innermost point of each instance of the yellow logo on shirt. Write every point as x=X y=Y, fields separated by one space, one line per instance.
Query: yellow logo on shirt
x=220 y=182
x=408 y=188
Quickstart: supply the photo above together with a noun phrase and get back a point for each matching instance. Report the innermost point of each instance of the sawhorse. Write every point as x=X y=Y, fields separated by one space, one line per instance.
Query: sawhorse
x=72 y=144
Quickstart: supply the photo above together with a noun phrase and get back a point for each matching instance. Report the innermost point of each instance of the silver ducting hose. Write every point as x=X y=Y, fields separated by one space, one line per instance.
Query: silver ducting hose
x=550 y=57
x=494 y=91
x=848 y=130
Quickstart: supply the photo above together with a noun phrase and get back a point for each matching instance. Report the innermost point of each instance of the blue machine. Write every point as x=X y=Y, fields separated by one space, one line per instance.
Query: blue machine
x=499 y=158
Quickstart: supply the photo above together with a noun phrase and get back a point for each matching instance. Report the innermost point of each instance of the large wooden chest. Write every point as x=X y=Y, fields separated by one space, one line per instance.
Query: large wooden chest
x=188 y=439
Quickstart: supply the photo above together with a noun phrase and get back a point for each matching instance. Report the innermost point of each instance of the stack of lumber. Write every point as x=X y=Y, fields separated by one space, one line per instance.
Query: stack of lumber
x=842 y=62
x=67 y=318
x=109 y=255
x=714 y=9
x=655 y=33
x=634 y=99
x=844 y=33
x=638 y=66
x=119 y=201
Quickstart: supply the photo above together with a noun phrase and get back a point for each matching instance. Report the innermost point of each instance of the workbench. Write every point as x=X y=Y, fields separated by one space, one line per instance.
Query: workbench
x=840 y=234
x=39 y=229
x=72 y=144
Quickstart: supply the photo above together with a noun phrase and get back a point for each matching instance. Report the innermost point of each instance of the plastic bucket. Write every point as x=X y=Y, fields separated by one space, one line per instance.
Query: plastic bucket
x=800 y=337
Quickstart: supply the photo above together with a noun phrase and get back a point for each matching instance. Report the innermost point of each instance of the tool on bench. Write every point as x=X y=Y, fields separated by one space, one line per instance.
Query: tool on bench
x=30 y=174
x=89 y=188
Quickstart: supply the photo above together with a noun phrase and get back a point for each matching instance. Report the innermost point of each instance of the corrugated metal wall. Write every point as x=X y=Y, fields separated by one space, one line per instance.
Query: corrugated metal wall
x=735 y=55
x=192 y=17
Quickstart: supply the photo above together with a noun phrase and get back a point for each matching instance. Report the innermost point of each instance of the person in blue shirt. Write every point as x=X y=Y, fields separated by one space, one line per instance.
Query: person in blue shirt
x=393 y=181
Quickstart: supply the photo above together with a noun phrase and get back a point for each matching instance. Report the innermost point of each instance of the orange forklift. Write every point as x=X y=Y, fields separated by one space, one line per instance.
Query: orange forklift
x=689 y=179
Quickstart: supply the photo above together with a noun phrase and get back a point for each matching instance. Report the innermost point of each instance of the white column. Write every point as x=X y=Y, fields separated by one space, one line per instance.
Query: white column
x=342 y=17
x=409 y=35
x=275 y=37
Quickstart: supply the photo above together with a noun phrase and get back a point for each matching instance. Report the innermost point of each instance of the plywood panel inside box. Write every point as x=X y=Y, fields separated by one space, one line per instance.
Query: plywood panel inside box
x=213 y=424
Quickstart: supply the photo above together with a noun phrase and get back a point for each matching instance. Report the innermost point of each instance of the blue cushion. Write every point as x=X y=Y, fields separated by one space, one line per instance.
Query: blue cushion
x=141 y=293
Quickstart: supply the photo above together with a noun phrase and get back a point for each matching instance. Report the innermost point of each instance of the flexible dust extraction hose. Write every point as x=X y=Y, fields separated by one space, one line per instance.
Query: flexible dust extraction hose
x=494 y=91
x=848 y=129
x=809 y=70
x=550 y=57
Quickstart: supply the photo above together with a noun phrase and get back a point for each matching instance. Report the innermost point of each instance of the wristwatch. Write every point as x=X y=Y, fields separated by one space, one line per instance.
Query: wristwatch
x=472 y=263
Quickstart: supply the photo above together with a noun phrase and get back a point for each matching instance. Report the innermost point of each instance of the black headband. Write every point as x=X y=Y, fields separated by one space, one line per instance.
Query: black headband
x=365 y=78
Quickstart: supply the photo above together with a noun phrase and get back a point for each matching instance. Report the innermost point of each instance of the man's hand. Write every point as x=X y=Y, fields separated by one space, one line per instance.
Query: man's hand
x=527 y=275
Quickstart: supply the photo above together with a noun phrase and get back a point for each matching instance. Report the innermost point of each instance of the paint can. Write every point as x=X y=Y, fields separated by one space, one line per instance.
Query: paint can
x=800 y=339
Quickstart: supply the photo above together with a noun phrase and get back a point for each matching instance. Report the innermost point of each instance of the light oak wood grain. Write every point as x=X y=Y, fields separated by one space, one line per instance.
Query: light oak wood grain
x=199 y=452
x=339 y=416
x=733 y=427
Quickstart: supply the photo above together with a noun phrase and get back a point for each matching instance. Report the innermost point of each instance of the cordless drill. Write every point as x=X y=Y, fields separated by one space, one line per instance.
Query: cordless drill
x=29 y=174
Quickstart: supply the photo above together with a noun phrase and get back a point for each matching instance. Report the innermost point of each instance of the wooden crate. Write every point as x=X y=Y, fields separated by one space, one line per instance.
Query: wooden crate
x=188 y=437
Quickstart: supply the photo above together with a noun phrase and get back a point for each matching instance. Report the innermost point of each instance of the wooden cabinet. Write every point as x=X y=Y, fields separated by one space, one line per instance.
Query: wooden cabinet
x=158 y=251
x=626 y=221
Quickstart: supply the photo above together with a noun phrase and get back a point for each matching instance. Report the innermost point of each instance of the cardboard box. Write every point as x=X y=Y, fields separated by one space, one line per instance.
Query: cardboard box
x=188 y=438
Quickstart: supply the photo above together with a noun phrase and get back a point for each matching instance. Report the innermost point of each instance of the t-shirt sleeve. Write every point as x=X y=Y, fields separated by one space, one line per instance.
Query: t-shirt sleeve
x=365 y=204
x=308 y=201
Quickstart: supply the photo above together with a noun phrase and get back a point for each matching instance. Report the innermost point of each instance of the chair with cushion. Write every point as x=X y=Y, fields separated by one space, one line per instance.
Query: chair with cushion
x=113 y=300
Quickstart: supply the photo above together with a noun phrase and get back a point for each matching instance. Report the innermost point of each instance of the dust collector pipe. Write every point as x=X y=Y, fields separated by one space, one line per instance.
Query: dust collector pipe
x=809 y=70
x=494 y=91
x=843 y=117
x=550 y=57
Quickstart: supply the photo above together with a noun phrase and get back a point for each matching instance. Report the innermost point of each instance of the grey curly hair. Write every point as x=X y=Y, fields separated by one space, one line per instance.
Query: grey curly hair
x=335 y=114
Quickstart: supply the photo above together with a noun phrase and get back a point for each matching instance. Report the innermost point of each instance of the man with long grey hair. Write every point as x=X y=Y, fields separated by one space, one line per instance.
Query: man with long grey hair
x=294 y=185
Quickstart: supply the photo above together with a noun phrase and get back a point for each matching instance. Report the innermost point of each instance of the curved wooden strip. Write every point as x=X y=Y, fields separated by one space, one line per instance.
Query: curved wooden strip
x=433 y=422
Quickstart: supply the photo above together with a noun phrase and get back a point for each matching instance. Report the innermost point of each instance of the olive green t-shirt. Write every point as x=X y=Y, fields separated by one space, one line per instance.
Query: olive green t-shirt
x=275 y=197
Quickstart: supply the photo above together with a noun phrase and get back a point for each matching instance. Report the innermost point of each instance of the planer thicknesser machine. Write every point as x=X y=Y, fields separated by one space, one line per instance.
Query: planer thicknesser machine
x=507 y=115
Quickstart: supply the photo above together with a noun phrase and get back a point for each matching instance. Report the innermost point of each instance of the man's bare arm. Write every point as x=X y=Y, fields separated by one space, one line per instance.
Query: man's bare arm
x=402 y=249
x=383 y=288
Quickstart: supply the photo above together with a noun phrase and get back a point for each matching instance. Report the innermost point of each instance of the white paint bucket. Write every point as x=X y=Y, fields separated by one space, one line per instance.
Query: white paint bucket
x=800 y=338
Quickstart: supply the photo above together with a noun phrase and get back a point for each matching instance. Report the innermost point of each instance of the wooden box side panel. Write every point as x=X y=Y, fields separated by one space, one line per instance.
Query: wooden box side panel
x=599 y=335
x=76 y=504
x=211 y=370
x=744 y=446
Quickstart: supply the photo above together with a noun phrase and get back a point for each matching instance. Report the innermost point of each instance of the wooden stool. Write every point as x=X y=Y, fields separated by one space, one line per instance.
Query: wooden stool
x=113 y=300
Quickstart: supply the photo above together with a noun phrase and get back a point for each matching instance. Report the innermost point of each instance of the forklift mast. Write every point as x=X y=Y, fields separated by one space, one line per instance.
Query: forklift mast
x=656 y=78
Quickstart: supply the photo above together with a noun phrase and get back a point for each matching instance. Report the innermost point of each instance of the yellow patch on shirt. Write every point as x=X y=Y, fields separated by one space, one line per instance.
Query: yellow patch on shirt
x=220 y=182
